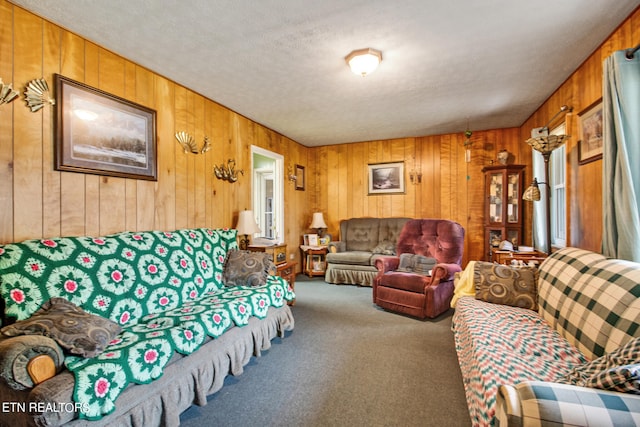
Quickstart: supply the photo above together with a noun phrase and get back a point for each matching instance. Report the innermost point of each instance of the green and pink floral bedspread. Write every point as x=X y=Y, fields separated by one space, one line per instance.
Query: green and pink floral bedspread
x=164 y=288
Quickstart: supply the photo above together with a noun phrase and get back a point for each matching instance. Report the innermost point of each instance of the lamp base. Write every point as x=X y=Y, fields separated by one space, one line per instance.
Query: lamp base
x=244 y=242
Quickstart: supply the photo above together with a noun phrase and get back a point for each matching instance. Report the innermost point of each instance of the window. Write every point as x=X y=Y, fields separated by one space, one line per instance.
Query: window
x=557 y=185
x=268 y=192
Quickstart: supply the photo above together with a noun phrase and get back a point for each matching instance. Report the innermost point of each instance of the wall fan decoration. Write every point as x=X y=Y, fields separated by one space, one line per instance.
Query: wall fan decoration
x=189 y=145
x=37 y=94
x=7 y=94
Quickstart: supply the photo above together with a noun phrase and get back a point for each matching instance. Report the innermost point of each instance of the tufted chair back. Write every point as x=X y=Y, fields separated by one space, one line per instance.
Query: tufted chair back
x=436 y=238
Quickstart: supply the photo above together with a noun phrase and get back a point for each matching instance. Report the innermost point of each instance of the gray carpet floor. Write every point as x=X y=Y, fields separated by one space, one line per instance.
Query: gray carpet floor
x=347 y=363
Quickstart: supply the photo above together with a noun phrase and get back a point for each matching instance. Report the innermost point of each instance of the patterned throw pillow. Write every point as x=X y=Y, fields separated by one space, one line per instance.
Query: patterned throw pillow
x=502 y=284
x=609 y=370
x=247 y=268
x=385 y=248
x=621 y=378
x=71 y=327
x=418 y=264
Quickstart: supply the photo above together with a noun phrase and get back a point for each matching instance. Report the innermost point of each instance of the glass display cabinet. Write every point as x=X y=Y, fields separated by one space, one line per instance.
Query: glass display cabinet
x=503 y=206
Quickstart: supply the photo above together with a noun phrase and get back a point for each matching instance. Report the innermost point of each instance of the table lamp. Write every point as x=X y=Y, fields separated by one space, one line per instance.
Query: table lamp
x=246 y=225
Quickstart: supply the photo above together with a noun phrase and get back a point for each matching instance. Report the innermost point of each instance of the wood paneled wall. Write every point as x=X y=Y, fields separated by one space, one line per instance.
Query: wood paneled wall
x=36 y=201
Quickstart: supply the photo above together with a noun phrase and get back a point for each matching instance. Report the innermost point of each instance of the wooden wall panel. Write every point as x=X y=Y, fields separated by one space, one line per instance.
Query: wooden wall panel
x=38 y=201
x=6 y=125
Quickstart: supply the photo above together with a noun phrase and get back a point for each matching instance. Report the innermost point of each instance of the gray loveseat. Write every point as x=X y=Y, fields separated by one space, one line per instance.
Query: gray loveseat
x=351 y=260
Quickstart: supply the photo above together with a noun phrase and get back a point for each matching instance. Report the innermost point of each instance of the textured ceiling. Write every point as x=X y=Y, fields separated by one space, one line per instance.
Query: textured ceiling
x=446 y=64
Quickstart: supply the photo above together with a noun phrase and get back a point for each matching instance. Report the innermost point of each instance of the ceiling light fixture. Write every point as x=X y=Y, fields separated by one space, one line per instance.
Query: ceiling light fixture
x=364 y=61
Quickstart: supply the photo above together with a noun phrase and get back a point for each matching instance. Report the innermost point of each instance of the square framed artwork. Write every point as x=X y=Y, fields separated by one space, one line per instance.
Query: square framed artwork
x=386 y=178
x=590 y=133
x=103 y=134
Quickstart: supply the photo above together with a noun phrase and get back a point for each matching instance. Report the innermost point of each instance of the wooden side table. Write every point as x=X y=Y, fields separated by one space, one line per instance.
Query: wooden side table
x=314 y=260
x=288 y=272
x=505 y=257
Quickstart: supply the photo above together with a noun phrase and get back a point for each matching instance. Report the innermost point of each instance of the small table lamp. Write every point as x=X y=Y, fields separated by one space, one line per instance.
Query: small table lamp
x=318 y=223
x=246 y=225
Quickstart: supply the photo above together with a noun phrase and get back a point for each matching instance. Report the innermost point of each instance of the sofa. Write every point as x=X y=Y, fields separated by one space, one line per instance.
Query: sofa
x=559 y=345
x=351 y=260
x=134 y=327
x=418 y=280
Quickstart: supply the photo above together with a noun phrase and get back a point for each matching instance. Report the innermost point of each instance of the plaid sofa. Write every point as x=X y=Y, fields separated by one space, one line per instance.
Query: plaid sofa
x=515 y=361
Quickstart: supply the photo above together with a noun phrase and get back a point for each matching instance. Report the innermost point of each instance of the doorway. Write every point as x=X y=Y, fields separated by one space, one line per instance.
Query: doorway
x=267 y=170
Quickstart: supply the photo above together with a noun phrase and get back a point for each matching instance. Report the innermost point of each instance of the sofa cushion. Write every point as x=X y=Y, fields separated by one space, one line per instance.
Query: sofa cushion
x=350 y=257
x=246 y=268
x=501 y=284
x=72 y=328
x=361 y=234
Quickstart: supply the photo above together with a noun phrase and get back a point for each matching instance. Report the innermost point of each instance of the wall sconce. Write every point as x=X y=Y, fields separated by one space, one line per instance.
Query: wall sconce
x=37 y=95
x=246 y=225
x=290 y=175
x=7 y=94
x=318 y=223
x=228 y=172
x=467 y=146
x=189 y=143
x=364 y=61
x=544 y=143
x=415 y=177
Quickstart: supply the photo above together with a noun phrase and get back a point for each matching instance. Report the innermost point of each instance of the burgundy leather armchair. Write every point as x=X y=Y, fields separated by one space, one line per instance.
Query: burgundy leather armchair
x=414 y=294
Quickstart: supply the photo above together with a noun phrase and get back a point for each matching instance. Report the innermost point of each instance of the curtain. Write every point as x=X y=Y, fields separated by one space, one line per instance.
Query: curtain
x=621 y=157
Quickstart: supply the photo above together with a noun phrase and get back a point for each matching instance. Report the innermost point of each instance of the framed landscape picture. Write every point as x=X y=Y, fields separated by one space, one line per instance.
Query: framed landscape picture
x=386 y=178
x=590 y=133
x=102 y=134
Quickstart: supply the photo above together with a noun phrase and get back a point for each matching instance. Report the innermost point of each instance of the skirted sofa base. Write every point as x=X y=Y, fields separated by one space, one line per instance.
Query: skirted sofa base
x=186 y=380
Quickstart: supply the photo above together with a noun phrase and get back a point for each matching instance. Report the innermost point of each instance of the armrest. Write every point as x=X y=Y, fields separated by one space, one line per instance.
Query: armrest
x=386 y=263
x=445 y=272
x=547 y=403
x=28 y=360
x=336 y=246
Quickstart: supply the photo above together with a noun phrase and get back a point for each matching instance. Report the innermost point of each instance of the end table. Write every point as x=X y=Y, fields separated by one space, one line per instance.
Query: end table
x=313 y=260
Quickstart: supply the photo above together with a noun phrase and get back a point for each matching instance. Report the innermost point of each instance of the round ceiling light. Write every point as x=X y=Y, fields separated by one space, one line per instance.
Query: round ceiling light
x=364 y=61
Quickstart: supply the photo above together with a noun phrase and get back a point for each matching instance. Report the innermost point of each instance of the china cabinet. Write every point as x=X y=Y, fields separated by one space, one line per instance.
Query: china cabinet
x=503 y=206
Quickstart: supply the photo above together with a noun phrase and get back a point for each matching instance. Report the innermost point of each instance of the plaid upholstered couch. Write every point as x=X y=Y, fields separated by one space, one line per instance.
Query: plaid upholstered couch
x=138 y=325
x=571 y=357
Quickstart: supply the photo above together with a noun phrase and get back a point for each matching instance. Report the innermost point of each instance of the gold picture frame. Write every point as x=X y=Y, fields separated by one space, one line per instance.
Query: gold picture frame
x=590 y=133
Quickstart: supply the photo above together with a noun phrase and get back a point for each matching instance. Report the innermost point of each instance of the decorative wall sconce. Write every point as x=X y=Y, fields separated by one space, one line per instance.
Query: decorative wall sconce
x=7 y=94
x=290 y=175
x=467 y=146
x=415 y=176
x=189 y=145
x=37 y=94
x=228 y=172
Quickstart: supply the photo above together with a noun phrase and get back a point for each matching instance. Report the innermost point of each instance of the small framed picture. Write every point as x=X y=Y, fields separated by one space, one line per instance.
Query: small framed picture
x=299 y=172
x=590 y=133
x=324 y=241
x=317 y=264
x=386 y=178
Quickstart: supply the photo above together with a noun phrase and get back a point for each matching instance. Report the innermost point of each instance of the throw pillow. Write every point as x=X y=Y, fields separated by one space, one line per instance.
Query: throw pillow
x=74 y=329
x=502 y=284
x=247 y=268
x=385 y=248
x=625 y=379
x=417 y=264
x=592 y=373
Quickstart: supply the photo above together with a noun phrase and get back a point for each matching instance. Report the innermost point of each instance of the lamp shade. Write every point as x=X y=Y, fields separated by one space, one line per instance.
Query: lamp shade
x=546 y=144
x=318 y=221
x=532 y=194
x=247 y=223
x=364 y=61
